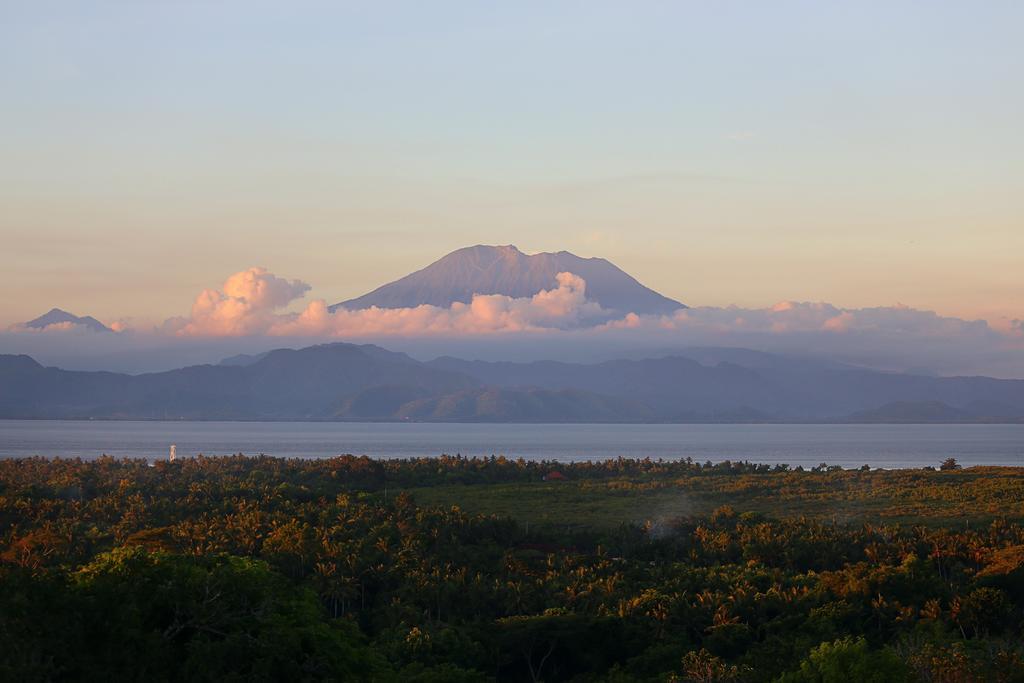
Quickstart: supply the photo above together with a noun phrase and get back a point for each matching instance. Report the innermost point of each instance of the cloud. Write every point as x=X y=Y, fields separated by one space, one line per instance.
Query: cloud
x=65 y=327
x=246 y=304
x=800 y=317
x=887 y=337
x=253 y=302
x=1012 y=327
x=263 y=290
x=251 y=311
x=249 y=304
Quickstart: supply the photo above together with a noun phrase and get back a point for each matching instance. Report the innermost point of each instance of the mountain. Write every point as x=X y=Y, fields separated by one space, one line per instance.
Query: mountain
x=506 y=270
x=330 y=381
x=56 y=317
x=317 y=382
x=349 y=382
x=674 y=388
x=681 y=389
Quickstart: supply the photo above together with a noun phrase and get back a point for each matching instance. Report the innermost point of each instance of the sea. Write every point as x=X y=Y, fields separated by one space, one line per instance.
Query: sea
x=808 y=445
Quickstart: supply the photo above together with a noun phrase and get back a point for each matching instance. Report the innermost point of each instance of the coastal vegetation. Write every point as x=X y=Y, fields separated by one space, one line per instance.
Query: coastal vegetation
x=460 y=569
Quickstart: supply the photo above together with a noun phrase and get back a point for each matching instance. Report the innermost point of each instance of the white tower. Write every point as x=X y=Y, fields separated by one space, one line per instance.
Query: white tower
x=174 y=453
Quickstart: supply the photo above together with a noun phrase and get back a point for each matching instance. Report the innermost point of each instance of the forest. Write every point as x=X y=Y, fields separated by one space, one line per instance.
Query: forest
x=493 y=569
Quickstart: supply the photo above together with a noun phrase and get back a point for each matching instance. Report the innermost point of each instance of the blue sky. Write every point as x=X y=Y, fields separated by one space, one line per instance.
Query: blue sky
x=723 y=152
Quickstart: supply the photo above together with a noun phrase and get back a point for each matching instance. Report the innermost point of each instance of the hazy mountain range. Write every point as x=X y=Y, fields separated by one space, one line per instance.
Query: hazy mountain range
x=346 y=381
x=506 y=270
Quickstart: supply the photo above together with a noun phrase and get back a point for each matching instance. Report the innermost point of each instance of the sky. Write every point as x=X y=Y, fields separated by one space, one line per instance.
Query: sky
x=724 y=153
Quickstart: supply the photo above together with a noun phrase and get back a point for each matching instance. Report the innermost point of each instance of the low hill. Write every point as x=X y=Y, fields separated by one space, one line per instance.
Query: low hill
x=526 y=405
x=923 y=412
x=912 y=412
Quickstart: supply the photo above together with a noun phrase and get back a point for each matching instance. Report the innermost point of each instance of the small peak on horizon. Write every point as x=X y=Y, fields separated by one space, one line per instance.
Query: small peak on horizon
x=56 y=316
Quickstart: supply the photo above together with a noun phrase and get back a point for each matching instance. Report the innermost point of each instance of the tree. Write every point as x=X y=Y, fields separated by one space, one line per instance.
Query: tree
x=849 y=660
x=158 y=616
x=983 y=611
x=700 y=666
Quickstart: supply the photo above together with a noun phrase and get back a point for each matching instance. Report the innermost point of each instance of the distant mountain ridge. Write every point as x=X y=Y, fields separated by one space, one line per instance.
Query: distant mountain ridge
x=365 y=382
x=317 y=382
x=56 y=316
x=768 y=389
x=506 y=270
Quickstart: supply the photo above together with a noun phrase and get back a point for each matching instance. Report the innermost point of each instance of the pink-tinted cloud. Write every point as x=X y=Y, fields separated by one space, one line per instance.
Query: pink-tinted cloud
x=64 y=327
x=246 y=304
x=1012 y=327
x=254 y=304
x=250 y=301
x=802 y=317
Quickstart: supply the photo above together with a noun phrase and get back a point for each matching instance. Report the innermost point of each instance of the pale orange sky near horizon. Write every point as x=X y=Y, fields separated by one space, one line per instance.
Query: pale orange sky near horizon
x=721 y=155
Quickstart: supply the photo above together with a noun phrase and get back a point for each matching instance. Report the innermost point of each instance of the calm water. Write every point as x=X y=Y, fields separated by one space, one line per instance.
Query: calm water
x=846 y=445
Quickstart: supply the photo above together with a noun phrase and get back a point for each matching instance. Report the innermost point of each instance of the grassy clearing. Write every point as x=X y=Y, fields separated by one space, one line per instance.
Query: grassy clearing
x=970 y=497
